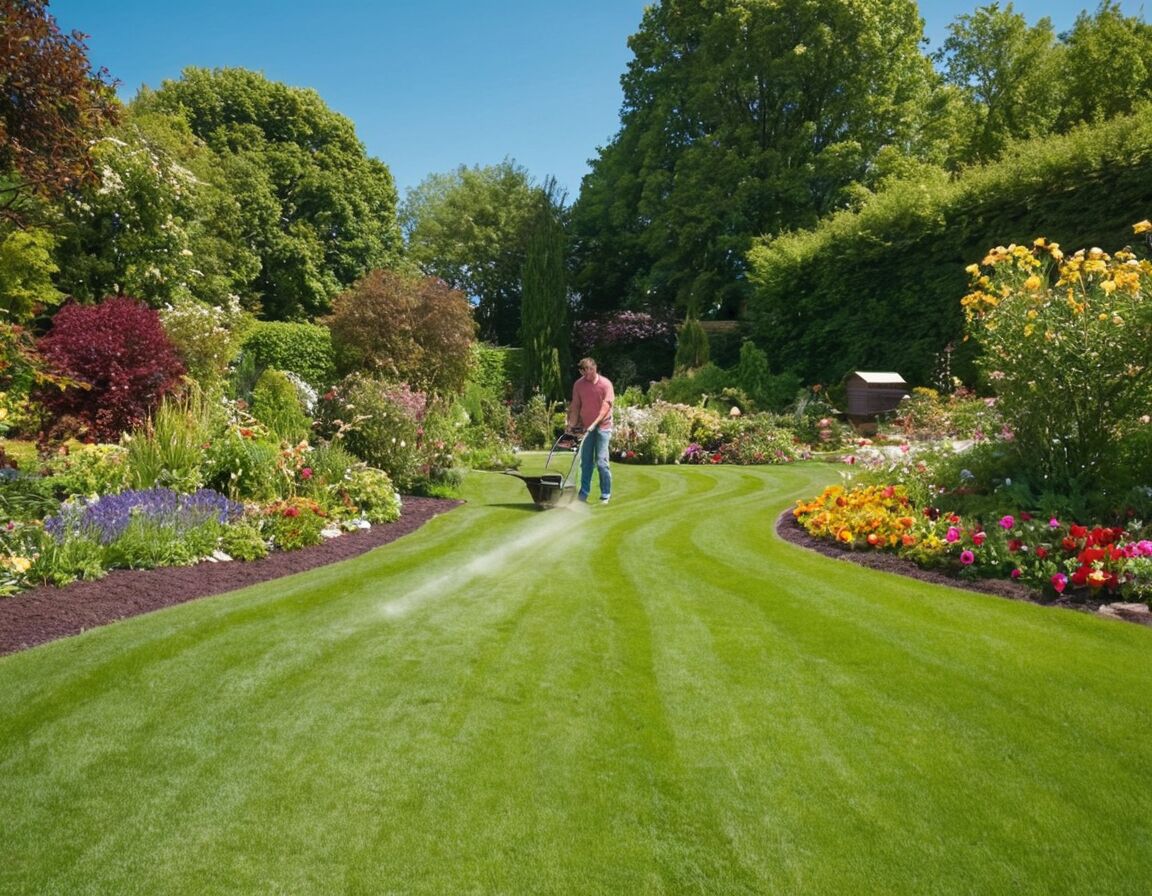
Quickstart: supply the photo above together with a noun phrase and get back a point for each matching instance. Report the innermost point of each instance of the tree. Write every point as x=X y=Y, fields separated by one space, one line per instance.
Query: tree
x=1107 y=65
x=740 y=117
x=544 y=329
x=470 y=228
x=51 y=105
x=319 y=212
x=26 y=270
x=160 y=223
x=406 y=329
x=1008 y=73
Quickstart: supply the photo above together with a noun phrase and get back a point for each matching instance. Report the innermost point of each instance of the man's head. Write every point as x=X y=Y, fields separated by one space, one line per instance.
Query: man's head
x=587 y=368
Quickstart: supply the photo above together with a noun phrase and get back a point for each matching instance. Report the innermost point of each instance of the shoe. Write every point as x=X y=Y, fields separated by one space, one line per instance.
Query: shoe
x=604 y=499
x=583 y=497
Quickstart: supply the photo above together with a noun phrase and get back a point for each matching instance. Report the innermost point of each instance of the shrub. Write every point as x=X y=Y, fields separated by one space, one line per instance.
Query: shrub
x=758 y=440
x=89 y=470
x=370 y=492
x=537 y=422
x=119 y=354
x=242 y=463
x=207 y=337
x=303 y=349
x=1070 y=362
x=405 y=329
x=692 y=349
x=276 y=404
x=659 y=434
x=294 y=523
x=631 y=347
x=378 y=422
x=242 y=540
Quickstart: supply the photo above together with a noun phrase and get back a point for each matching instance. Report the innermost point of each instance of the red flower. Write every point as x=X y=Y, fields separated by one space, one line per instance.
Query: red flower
x=291 y=511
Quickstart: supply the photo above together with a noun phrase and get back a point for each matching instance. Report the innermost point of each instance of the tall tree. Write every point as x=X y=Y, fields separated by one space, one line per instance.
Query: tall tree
x=1107 y=65
x=320 y=212
x=740 y=117
x=1008 y=73
x=470 y=228
x=51 y=105
x=161 y=223
x=544 y=329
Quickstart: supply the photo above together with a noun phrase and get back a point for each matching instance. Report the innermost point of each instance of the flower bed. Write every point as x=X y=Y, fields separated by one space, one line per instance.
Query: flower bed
x=1051 y=555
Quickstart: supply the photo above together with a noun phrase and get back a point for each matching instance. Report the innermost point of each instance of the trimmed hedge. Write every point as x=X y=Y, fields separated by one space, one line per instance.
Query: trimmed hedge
x=302 y=349
x=880 y=289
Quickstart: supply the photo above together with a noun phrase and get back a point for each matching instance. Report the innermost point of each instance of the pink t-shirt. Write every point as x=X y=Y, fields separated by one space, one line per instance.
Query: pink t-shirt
x=589 y=398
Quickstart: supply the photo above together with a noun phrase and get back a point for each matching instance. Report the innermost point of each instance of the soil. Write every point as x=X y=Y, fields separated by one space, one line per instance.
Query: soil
x=46 y=613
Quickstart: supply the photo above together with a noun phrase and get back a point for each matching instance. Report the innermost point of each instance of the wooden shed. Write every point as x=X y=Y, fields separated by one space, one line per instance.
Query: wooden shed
x=869 y=393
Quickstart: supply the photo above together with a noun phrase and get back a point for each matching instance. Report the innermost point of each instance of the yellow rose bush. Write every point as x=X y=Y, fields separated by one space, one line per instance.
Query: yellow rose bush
x=1067 y=348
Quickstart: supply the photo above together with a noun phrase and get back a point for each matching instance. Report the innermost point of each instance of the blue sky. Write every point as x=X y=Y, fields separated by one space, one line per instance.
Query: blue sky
x=429 y=84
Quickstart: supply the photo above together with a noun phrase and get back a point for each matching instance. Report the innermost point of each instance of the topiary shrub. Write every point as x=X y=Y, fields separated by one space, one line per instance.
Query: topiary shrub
x=303 y=349
x=119 y=353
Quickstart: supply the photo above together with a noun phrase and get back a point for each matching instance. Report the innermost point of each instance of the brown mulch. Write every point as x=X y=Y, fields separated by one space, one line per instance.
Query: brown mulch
x=44 y=614
x=788 y=528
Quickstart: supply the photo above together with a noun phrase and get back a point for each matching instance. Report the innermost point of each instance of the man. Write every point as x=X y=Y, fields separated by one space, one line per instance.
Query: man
x=591 y=411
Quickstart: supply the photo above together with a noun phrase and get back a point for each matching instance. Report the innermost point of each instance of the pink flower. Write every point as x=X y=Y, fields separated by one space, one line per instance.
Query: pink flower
x=953 y=534
x=1007 y=522
x=306 y=473
x=978 y=538
x=1054 y=523
x=1059 y=582
x=967 y=558
x=1015 y=574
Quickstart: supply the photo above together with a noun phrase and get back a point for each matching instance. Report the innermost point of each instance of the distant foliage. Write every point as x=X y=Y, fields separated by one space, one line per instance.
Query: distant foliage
x=402 y=328
x=119 y=351
x=692 y=349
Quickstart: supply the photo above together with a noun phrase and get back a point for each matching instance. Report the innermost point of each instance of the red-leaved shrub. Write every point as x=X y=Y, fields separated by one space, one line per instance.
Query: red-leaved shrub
x=120 y=350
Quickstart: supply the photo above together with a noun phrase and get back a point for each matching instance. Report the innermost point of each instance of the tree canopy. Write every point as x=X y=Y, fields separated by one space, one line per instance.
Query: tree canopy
x=51 y=105
x=740 y=117
x=470 y=228
x=319 y=212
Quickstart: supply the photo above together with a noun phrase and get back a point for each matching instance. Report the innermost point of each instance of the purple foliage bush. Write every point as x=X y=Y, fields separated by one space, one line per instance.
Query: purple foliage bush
x=119 y=352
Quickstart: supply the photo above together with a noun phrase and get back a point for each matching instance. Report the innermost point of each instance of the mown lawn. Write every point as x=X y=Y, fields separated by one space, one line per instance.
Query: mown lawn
x=658 y=696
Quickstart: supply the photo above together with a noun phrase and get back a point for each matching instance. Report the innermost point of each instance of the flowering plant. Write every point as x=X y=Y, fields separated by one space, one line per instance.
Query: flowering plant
x=1067 y=347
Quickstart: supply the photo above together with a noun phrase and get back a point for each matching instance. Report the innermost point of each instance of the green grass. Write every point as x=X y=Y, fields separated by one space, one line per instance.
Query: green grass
x=658 y=696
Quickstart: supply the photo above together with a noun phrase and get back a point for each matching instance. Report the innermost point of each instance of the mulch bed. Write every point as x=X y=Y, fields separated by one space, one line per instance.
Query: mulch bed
x=46 y=613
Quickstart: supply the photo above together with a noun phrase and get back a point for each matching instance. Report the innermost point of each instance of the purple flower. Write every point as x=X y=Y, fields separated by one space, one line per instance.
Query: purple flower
x=953 y=534
x=106 y=518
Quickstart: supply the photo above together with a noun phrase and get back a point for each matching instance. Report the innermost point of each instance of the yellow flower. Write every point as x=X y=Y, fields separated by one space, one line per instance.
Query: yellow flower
x=1033 y=282
x=1142 y=227
x=1109 y=286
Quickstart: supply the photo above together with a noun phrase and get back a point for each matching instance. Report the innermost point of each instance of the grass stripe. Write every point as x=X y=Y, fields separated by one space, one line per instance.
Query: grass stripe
x=658 y=696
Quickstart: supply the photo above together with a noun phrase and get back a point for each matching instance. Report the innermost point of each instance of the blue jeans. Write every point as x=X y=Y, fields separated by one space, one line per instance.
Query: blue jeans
x=594 y=453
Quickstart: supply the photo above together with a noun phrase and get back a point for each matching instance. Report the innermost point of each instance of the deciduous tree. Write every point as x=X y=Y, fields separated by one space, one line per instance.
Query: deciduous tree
x=470 y=228
x=404 y=328
x=51 y=105
x=740 y=117
x=320 y=212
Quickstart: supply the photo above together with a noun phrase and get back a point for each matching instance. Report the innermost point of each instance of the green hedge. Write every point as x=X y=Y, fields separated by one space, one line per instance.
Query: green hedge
x=303 y=349
x=880 y=289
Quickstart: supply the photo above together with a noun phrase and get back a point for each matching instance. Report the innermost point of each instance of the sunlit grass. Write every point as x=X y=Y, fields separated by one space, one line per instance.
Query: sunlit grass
x=658 y=696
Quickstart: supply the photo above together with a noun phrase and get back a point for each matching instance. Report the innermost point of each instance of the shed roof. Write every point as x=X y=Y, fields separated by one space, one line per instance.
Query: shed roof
x=879 y=378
